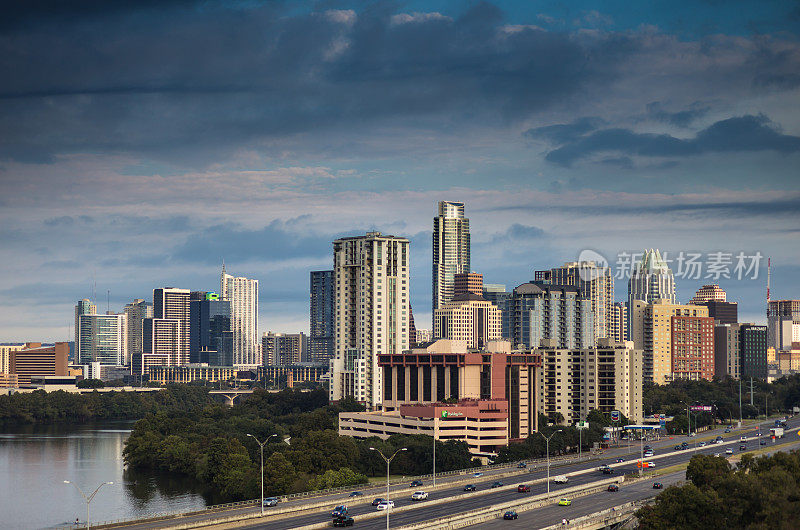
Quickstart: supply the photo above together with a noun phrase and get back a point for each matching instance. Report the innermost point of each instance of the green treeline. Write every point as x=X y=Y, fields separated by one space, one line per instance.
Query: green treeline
x=213 y=447
x=50 y=407
x=760 y=493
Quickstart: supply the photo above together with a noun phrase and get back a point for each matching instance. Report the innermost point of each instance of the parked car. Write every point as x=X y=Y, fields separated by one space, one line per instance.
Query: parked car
x=345 y=520
x=356 y=493
x=339 y=511
x=523 y=488
x=419 y=496
x=510 y=514
x=385 y=505
x=415 y=483
x=564 y=502
x=497 y=484
x=658 y=486
x=613 y=487
x=378 y=501
x=469 y=487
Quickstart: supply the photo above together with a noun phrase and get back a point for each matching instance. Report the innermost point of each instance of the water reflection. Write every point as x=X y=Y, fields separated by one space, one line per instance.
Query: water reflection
x=36 y=459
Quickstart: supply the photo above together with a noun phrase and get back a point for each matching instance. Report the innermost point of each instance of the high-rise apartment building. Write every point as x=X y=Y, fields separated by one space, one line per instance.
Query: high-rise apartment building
x=284 y=349
x=594 y=282
x=173 y=304
x=726 y=350
x=708 y=293
x=210 y=330
x=35 y=360
x=372 y=275
x=468 y=282
x=722 y=312
x=783 y=320
x=542 y=311
x=161 y=345
x=451 y=245
x=102 y=339
x=469 y=318
x=692 y=347
x=651 y=327
x=618 y=331
x=606 y=377
x=83 y=307
x=320 y=340
x=242 y=293
x=753 y=351
x=650 y=280
x=5 y=355
x=504 y=300
x=137 y=311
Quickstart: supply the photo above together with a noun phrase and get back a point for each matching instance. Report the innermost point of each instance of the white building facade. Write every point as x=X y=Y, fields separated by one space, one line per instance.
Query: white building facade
x=242 y=293
x=451 y=250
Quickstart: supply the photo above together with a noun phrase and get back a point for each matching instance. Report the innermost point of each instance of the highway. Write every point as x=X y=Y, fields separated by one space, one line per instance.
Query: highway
x=402 y=494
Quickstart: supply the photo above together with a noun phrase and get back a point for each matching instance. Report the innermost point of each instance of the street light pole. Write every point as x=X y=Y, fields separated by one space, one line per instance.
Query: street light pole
x=388 y=463
x=547 y=445
x=434 y=459
x=740 y=403
x=89 y=498
x=261 y=447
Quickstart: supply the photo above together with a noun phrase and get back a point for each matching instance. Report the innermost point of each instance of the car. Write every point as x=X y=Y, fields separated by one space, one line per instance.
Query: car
x=522 y=465
x=523 y=488
x=728 y=451
x=345 y=520
x=678 y=447
x=469 y=487
x=692 y=434
x=648 y=453
x=270 y=501
x=658 y=486
x=620 y=460
x=415 y=483
x=385 y=505
x=560 y=479
x=717 y=455
x=763 y=441
x=684 y=445
x=742 y=438
x=497 y=484
x=650 y=464
x=419 y=496
x=339 y=511
x=647 y=449
x=378 y=501
x=719 y=440
x=510 y=514
x=564 y=502
x=758 y=433
x=605 y=470
x=727 y=430
x=613 y=487
x=356 y=494
x=742 y=447
x=702 y=444
x=477 y=475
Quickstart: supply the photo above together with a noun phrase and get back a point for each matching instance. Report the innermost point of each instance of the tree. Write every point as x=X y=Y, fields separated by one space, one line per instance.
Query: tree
x=90 y=383
x=684 y=507
x=337 y=478
x=279 y=475
x=707 y=470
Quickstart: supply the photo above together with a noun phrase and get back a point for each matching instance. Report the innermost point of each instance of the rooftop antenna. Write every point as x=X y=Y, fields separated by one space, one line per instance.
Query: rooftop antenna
x=94 y=286
x=108 y=301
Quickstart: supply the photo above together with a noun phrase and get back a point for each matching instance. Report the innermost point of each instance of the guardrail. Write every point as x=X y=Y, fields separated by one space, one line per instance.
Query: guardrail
x=603 y=518
x=532 y=463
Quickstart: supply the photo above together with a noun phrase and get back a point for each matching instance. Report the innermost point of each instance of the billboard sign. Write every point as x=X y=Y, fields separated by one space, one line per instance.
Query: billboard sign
x=700 y=408
x=447 y=414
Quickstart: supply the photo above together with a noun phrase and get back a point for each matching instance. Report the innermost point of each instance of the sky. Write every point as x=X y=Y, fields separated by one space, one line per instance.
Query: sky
x=143 y=143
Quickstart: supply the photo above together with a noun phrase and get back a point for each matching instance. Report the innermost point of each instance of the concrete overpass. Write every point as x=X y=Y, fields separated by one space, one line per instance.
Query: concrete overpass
x=230 y=395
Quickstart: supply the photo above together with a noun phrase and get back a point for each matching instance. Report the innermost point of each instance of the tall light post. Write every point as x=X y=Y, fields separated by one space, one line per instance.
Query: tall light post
x=261 y=446
x=434 y=458
x=547 y=449
x=388 y=463
x=89 y=498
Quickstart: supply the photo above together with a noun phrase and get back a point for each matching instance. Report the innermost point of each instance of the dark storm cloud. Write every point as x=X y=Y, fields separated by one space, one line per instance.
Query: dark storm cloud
x=216 y=79
x=738 y=134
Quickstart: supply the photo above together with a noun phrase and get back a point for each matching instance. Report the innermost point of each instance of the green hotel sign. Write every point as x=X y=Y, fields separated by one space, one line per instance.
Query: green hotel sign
x=447 y=414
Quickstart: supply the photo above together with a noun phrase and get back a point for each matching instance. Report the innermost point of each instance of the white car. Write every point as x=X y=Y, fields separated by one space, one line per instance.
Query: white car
x=385 y=505
x=743 y=438
x=560 y=479
x=729 y=451
x=476 y=475
x=419 y=496
x=717 y=455
x=650 y=464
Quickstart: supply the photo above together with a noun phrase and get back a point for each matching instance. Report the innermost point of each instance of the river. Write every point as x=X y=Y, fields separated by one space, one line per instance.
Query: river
x=36 y=460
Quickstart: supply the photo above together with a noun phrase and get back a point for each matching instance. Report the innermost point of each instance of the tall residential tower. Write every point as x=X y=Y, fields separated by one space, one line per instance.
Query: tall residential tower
x=320 y=341
x=242 y=293
x=450 y=250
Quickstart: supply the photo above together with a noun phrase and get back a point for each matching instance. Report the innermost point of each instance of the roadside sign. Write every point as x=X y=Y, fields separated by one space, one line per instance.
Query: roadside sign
x=614 y=415
x=582 y=425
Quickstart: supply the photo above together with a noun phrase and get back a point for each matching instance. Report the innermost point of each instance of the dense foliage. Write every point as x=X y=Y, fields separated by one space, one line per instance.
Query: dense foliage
x=307 y=453
x=761 y=493
x=59 y=406
x=777 y=397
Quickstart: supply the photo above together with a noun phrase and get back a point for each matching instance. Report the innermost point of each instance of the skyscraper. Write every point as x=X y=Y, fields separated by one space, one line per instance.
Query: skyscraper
x=707 y=293
x=102 y=339
x=284 y=349
x=619 y=322
x=450 y=250
x=753 y=351
x=469 y=318
x=242 y=293
x=496 y=293
x=783 y=320
x=651 y=280
x=83 y=307
x=555 y=312
x=594 y=282
x=170 y=303
x=372 y=311
x=210 y=334
x=321 y=312
x=137 y=311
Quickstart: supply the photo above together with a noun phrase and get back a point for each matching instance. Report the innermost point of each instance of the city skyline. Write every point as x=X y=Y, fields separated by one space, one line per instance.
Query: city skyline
x=134 y=171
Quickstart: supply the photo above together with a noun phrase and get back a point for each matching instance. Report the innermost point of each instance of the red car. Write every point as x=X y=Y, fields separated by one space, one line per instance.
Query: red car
x=523 y=488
